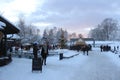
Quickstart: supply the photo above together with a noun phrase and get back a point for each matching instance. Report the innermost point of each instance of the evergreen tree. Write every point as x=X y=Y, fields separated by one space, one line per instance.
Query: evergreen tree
x=62 y=40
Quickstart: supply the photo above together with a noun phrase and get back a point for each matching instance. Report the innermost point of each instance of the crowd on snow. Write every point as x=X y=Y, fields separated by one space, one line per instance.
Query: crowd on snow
x=108 y=48
x=85 y=48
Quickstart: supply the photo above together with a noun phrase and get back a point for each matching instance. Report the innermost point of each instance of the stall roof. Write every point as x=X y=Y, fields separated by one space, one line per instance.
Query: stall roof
x=10 y=28
x=85 y=39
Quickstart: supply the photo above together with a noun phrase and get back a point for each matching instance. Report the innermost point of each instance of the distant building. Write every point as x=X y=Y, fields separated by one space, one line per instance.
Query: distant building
x=73 y=41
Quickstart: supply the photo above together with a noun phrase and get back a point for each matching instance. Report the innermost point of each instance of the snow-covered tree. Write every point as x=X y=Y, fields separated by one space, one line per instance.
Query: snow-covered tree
x=58 y=35
x=28 y=33
x=51 y=37
x=66 y=35
x=109 y=25
x=22 y=27
x=80 y=36
x=62 y=39
x=106 y=30
x=73 y=35
x=45 y=34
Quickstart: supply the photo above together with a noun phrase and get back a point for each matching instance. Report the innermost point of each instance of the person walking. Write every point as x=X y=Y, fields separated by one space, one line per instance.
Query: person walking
x=101 y=48
x=35 y=50
x=44 y=53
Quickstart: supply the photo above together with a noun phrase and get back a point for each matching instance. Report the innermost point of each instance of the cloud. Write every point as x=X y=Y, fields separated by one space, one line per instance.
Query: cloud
x=14 y=8
x=76 y=15
x=42 y=24
x=73 y=15
x=77 y=10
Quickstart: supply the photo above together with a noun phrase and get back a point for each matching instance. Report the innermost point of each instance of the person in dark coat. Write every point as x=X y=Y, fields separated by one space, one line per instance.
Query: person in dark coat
x=86 y=49
x=101 y=48
x=35 y=50
x=83 y=49
x=44 y=53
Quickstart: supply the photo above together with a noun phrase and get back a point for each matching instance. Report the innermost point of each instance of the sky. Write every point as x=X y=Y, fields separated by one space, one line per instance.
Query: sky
x=79 y=16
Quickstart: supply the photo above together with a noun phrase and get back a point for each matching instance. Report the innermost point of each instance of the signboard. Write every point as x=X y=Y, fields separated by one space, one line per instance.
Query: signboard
x=36 y=64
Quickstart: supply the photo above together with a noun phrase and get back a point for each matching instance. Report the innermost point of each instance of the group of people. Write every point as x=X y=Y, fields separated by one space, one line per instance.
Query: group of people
x=43 y=53
x=86 y=48
x=105 y=48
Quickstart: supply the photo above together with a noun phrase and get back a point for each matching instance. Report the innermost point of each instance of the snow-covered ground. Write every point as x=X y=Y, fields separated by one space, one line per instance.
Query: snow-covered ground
x=96 y=66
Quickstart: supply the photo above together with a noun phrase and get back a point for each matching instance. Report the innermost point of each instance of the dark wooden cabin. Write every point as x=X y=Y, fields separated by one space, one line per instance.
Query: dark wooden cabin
x=9 y=28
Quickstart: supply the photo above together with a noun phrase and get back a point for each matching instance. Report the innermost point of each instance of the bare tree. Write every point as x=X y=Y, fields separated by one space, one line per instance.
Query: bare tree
x=28 y=33
x=106 y=30
x=21 y=25
x=80 y=36
x=62 y=39
x=109 y=25
x=51 y=36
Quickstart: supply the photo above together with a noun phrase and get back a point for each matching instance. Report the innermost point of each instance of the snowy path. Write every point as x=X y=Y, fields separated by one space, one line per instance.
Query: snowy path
x=97 y=67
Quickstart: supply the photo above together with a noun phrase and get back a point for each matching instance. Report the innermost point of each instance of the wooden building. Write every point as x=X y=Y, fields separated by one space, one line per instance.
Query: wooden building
x=7 y=28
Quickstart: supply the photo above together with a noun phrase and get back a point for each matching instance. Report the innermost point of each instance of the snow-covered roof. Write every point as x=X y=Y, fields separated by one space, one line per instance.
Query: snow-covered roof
x=1 y=27
x=14 y=36
x=10 y=28
x=2 y=24
x=26 y=44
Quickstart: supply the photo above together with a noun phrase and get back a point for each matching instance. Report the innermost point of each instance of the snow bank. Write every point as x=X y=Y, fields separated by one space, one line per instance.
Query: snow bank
x=21 y=69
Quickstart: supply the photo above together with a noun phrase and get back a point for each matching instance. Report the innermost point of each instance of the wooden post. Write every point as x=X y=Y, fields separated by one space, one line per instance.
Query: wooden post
x=60 y=56
x=93 y=42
